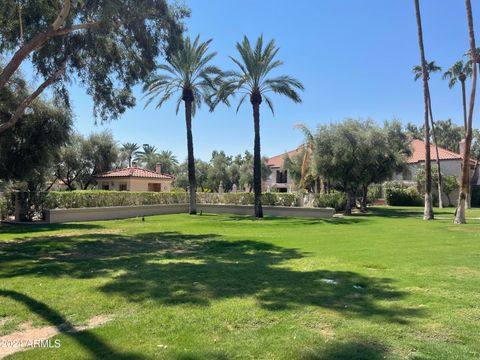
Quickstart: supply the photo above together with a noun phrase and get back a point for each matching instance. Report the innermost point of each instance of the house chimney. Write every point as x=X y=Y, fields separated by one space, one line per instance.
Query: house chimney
x=134 y=164
x=461 y=147
x=158 y=168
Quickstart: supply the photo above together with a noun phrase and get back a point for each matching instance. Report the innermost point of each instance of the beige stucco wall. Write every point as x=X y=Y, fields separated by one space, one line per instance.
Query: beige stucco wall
x=134 y=184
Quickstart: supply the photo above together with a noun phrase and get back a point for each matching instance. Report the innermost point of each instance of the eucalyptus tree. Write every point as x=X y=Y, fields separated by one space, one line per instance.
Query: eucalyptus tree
x=465 y=176
x=129 y=150
x=459 y=72
x=108 y=46
x=428 y=211
x=431 y=68
x=188 y=72
x=253 y=80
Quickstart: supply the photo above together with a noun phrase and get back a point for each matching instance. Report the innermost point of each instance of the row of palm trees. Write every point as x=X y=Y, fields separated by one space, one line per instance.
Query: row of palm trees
x=149 y=156
x=189 y=74
x=458 y=72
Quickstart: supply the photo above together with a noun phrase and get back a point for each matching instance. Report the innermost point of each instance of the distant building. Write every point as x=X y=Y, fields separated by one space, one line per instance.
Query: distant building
x=135 y=179
x=280 y=179
x=450 y=163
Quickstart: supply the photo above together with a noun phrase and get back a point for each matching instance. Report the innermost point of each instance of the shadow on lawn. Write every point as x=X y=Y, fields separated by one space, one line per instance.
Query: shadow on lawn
x=34 y=228
x=354 y=350
x=96 y=347
x=175 y=268
x=392 y=212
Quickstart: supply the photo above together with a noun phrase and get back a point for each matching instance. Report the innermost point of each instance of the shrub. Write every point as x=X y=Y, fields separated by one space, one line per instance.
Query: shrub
x=398 y=194
x=374 y=193
x=3 y=206
x=336 y=200
x=103 y=198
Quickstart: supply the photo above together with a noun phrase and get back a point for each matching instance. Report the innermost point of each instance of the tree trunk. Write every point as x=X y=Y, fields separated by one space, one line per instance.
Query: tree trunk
x=363 y=203
x=439 y=182
x=464 y=100
x=192 y=185
x=428 y=211
x=348 y=207
x=465 y=176
x=257 y=165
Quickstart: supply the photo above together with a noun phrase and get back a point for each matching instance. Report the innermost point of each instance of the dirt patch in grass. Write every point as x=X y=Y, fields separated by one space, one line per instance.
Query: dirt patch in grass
x=28 y=337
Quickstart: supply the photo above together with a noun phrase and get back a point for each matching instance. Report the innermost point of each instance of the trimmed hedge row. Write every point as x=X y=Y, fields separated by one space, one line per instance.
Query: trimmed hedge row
x=103 y=198
x=336 y=200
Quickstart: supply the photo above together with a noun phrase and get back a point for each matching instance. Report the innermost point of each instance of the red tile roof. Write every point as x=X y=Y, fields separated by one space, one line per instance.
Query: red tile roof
x=418 y=153
x=277 y=161
x=133 y=172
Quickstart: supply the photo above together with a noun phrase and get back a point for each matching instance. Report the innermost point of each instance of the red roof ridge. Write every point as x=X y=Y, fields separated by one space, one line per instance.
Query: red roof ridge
x=134 y=172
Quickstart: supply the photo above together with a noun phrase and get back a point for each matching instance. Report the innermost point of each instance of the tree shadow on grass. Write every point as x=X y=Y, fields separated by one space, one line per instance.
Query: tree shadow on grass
x=291 y=220
x=94 y=345
x=35 y=228
x=394 y=212
x=175 y=268
x=361 y=349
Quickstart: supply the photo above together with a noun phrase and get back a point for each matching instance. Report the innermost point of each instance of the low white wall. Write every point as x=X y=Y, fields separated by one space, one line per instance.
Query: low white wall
x=123 y=212
x=111 y=213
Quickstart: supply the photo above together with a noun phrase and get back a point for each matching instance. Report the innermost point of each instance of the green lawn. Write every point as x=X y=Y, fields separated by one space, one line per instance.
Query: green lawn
x=385 y=285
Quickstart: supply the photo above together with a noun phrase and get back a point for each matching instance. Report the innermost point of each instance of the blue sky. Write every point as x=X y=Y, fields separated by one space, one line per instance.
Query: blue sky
x=354 y=58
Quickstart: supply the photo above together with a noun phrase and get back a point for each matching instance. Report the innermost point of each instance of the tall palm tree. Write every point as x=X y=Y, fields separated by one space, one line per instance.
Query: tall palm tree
x=428 y=211
x=307 y=156
x=187 y=72
x=431 y=68
x=459 y=72
x=465 y=176
x=168 y=161
x=253 y=81
x=147 y=156
x=129 y=150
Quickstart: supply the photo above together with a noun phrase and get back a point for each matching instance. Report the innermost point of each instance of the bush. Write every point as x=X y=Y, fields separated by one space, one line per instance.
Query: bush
x=398 y=194
x=103 y=198
x=3 y=206
x=335 y=200
x=374 y=193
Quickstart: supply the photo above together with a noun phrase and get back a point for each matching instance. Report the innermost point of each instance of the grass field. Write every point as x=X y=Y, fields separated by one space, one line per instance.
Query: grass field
x=385 y=285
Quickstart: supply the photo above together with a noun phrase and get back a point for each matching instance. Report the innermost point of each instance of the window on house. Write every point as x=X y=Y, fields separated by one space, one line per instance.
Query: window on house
x=281 y=176
x=105 y=187
x=122 y=187
x=155 y=187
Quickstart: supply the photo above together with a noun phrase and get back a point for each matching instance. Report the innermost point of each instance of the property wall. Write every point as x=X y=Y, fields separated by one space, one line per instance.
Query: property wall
x=123 y=212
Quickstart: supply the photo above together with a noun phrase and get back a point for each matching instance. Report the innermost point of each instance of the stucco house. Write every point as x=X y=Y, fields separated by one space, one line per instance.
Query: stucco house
x=450 y=163
x=280 y=179
x=135 y=179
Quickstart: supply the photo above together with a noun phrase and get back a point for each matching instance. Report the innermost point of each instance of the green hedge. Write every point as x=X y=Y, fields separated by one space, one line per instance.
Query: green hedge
x=102 y=198
x=335 y=200
x=397 y=194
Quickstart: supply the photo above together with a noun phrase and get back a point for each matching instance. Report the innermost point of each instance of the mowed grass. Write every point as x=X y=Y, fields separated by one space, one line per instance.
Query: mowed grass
x=385 y=285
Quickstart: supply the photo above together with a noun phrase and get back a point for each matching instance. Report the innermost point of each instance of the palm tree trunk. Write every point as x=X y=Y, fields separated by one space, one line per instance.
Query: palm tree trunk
x=439 y=182
x=428 y=211
x=464 y=106
x=257 y=166
x=465 y=177
x=192 y=184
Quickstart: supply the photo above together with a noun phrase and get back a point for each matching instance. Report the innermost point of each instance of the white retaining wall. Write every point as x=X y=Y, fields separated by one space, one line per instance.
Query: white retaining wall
x=123 y=212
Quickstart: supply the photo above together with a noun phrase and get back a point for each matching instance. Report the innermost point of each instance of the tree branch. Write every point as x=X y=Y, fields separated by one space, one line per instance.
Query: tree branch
x=25 y=103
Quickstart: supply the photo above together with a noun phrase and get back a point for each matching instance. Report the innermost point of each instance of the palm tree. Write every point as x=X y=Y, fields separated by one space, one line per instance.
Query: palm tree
x=148 y=156
x=253 y=81
x=129 y=150
x=307 y=156
x=168 y=161
x=465 y=176
x=428 y=212
x=187 y=72
x=417 y=70
x=459 y=71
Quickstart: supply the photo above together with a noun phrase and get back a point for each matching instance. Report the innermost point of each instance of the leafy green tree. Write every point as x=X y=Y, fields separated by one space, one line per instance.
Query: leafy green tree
x=83 y=158
x=27 y=153
x=201 y=175
x=451 y=185
x=129 y=151
x=189 y=73
x=253 y=81
x=218 y=171
x=108 y=46
x=448 y=134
